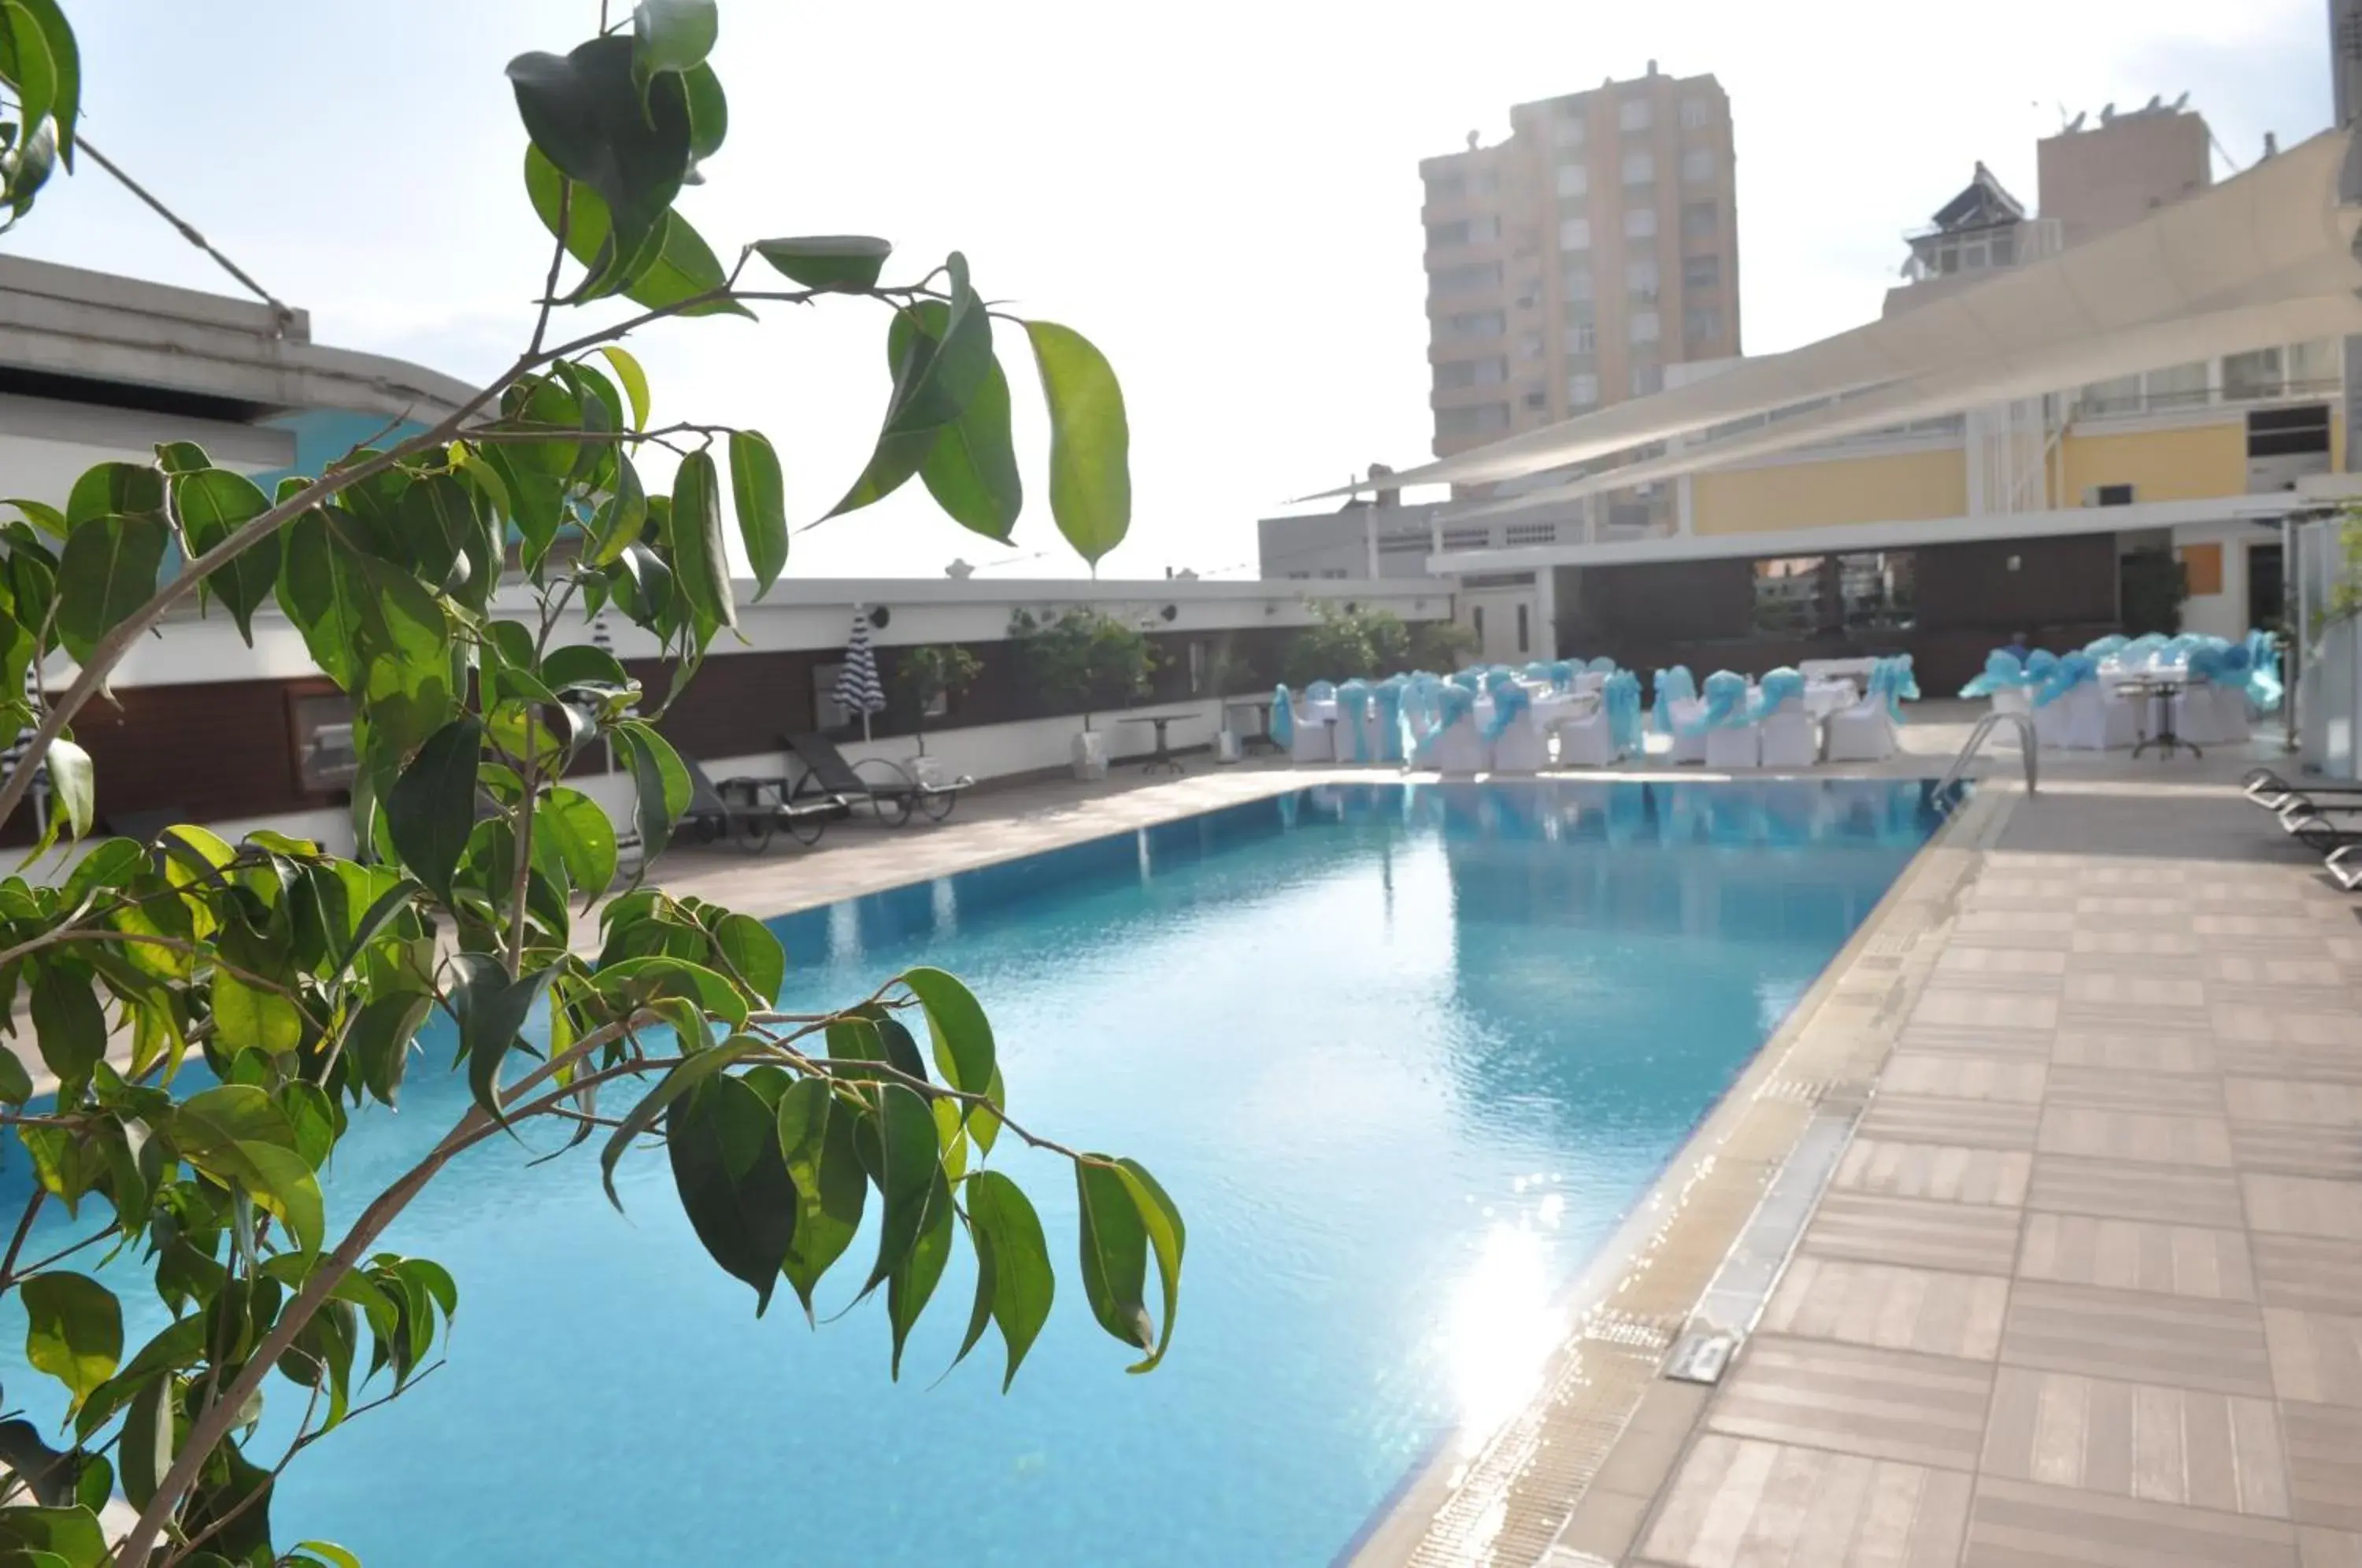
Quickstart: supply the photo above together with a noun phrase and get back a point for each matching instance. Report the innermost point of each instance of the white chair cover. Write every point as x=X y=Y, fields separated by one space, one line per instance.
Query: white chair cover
x=1684 y=711
x=2231 y=724
x=1864 y=732
x=1790 y=738
x=1735 y=746
x=2013 y=700
x=1315 y=731
x=2097 y=719
x=1586 y=740
x=1461 y=748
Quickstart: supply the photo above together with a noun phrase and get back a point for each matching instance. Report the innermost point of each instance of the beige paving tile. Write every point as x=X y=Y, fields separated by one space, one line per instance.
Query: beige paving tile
x=2324 y=1450
x=2134 y=1254
x=2316 y=1356
x=2294 y=1100
x=2021 y=928
x=2297 y=1148
x=1891 y=1308
x=2085 y=941
x=2026 y=1045
x=2131 y=1191
x=2021 y=1524
x=1997 y=1010
x=1920 y=1409
x=1923 y=1118
x=2134 y=1440
x=2318 y=1548
x=2311 y=1274
x=1963 y=1237
x=1954 y=1173
x=2214 y=1345
x=1954 y=964
x=2303 y=1205
x=2329 y=1063
x=1738 y=1503
x=2145 y=1051
x=2288 y=1026
x=2134 y=1135
x=2158 y=986
x=1964 y=1076
x=2272 y=969
x=2165 y=912
x=2254 y=927
x=2114 y=1088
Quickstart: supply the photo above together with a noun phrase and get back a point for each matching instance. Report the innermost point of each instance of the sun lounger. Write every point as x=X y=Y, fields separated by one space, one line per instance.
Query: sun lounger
x=747 y=812
x=891 y=796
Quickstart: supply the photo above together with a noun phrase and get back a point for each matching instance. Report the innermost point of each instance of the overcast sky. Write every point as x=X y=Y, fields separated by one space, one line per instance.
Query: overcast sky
x=1224 y=196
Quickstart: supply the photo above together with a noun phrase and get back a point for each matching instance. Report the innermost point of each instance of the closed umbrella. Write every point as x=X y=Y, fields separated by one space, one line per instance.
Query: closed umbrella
x=858 y=689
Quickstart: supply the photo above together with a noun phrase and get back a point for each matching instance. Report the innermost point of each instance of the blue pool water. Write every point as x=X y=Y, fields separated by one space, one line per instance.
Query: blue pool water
x=1404 y=1054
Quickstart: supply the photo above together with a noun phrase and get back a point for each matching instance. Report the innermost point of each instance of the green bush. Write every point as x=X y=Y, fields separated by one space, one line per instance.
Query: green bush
x=1084 y=658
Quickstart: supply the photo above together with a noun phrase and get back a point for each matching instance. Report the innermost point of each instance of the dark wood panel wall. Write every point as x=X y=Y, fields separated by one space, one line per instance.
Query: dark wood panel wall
x=2061 y=593
x=229 y=749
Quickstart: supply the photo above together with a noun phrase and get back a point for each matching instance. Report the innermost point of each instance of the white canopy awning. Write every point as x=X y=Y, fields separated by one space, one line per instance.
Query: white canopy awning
x=2265 y=257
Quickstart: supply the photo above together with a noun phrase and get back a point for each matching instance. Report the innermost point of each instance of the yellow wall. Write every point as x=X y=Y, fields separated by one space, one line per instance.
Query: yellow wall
x=1898 y=487
x=2193 y=463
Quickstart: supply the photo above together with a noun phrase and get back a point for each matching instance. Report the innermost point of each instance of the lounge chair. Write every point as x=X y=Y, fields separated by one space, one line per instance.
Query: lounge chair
x=747 y=812
x=2343 y=865
x=2269 y=791
x=891 y=797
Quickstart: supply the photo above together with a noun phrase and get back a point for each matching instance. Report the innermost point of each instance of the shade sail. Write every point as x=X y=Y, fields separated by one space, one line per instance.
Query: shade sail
x=2275 y=236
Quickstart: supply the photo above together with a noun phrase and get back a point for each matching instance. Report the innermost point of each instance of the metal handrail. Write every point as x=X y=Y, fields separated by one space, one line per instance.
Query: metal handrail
x=2026 y=743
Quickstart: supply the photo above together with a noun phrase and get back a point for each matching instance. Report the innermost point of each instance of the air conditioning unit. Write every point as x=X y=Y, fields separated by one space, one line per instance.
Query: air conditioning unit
x=2108 y=495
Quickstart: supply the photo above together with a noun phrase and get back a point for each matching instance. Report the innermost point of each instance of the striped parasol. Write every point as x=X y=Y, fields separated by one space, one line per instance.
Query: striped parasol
x=858 y=689
x=16 y=751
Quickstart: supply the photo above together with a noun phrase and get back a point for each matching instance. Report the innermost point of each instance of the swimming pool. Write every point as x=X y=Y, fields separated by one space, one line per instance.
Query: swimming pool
x=1404 y=1054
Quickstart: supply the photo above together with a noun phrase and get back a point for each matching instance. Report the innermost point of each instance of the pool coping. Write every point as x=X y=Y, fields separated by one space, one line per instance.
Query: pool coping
x=1568 y=1480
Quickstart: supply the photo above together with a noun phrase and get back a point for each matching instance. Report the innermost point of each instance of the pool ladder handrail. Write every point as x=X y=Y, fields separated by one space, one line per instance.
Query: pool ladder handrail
x=2028 y=745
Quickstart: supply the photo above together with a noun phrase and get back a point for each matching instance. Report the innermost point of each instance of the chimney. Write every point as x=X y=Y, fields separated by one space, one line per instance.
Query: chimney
x=1387 y=499
x=1652 y=68
x=2271 y=145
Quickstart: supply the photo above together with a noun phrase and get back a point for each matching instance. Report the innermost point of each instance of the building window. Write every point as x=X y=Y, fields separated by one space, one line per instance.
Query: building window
x=1442 y=188
x=1452 y=374
x=1698 y=220
x=1583 y=390
x=1196 y=674
x=1639 y=167
x=2121 y=395
x=1440 y=234
x=2252 y=375
x=2176 y=386
x=1702 y=323
x=1530 y=534
x=1525 y=630
x=2316 y=366
x=1486 y=183
x=1697 y=166
x=1635 y=114
x=1700 y=272
x=1472 y=278
x=1648 y=379
x=1568 y=133
x=1696 y=114
x=1574 y=179
x=1788 y=596
x=1476 y=625
x=1878 y=592
x=1537 y=401
x=1484 y=419
x=2004 y=249
x=1645 y=326
x=1640 y=279
x=1582 y=336
x=1577 y=279
x=1574 y=234
x=1640 y=223
x=1475 y=324
x=1530 y=344
x=1468 y=538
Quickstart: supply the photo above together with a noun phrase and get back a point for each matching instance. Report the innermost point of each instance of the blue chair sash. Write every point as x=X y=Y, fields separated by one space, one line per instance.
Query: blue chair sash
x=1283 y=720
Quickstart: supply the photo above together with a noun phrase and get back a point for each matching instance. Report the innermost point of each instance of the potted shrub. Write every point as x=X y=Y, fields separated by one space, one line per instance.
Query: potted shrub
x=1085 y=660
x=929 y=675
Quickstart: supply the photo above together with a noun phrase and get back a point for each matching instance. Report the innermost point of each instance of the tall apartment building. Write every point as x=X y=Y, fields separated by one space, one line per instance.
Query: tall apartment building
x=1569 y=265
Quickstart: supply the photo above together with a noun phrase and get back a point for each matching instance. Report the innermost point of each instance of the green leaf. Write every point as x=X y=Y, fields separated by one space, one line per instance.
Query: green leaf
x=1167 y=1236
x=963 y=1036
x=313 y=1118
x=643 y=1115
x=1115 y=1254
x=106 y=571
x=753 y=954
x=432 y=807
x=330 y=1552
x=583 y=665
x=733 y=1182
x=16 y=1082
x=913 y=1284
x=492 y=1009
x=145 y=1452
x=848 y=261
x=111 y=490
x=760 y=497
x=1090 y=443
x=27 y=65
x=585 y=111
x=673 y=35
x=112 y=863
x=701 y=558
x=622 y=518
x=213 y=503
x=935 y=381
x=250 y=1017
x=64 y=67
x=74 y=1331
x=69 y=1025
x=577 y=830
x=709 y=115
x=636 y=382
x=911 y=1171
x=437 y=520
x=1014 y=1280
x=44 y=517
x=661 y=784
x=816 y=1140
x=68 y=1538
x=685 y=266
x=378 y=1039
x=639 y=982
x=235 y=1134
x=72 y=780
x=373 y=628
x=971 y=470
